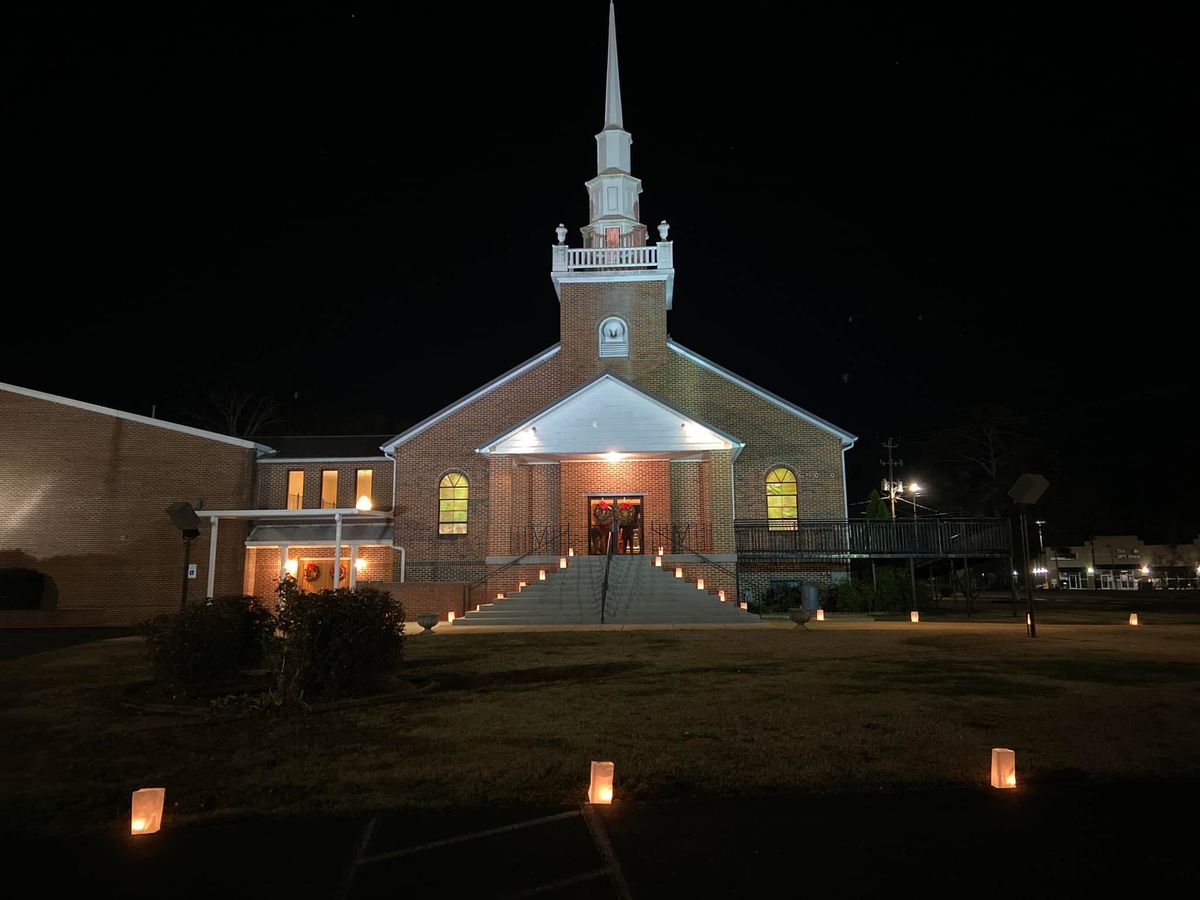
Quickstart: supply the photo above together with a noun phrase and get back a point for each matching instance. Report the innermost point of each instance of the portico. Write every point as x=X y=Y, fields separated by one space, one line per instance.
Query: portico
x=610 y=451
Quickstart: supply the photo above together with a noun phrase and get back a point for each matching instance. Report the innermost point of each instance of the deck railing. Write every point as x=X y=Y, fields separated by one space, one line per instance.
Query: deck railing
x=872 y=538
x=679 y=537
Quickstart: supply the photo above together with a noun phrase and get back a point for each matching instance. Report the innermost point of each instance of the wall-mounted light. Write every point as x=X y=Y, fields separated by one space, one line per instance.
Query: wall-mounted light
x=613 y=456
x=363 y=504
x=361 y=565
x=292 y=566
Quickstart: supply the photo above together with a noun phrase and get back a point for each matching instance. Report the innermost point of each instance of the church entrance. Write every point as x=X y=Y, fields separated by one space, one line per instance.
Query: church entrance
x=626 y=511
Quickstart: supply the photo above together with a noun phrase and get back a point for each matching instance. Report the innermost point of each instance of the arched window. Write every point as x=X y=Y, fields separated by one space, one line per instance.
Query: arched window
x=781 y=498
x=614 y=337
x=452 y=504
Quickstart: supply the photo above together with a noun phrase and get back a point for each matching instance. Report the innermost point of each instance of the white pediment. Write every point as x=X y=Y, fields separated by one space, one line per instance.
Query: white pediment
x=605 y=417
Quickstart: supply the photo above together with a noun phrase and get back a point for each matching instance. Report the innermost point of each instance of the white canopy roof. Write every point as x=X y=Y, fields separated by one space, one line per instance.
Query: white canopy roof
x=609 y=418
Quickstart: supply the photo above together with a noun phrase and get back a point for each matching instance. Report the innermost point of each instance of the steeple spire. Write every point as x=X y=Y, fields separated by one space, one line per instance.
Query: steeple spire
x=614 y=219
x=612 y=88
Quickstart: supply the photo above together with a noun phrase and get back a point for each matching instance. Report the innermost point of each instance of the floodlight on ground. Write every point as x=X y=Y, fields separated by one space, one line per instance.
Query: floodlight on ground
x=146 y=810
x=600 y=790
x=1004 y=768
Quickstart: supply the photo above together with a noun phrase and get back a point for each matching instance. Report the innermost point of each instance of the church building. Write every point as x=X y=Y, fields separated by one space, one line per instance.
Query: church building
x=615 y=438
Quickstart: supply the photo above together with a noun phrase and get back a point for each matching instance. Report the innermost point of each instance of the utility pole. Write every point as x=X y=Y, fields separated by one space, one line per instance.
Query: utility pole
x=891 y=462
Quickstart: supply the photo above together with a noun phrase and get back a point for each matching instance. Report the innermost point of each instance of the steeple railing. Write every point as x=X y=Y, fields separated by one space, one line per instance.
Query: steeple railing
x=574 y=259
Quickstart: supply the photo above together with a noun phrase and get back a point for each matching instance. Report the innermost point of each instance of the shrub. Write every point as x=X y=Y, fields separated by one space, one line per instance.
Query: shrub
x=892 y=592
x=335 y=642
x=21 y=588
x=207 y=644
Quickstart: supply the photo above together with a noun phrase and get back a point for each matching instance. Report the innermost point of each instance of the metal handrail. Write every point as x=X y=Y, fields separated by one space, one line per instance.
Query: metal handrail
x=612 y=543
x=680 y=545
x=504 y=568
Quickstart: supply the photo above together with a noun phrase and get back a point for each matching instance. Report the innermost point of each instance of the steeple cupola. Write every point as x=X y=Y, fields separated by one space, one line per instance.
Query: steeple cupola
x=613 y=193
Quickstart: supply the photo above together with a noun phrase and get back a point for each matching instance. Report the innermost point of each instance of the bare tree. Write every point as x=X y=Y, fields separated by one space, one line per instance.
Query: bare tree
x=239 y=413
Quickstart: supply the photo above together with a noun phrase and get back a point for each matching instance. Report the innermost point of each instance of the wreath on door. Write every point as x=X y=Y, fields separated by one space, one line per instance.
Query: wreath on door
x=312 y=572
x=341 y=574
x=603 y=512
x=626 y=513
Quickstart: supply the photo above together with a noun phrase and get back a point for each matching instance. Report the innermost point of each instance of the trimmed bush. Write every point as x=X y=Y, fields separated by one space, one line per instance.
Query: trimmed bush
x=208 y=644
x=335 y=642
x=21 y=588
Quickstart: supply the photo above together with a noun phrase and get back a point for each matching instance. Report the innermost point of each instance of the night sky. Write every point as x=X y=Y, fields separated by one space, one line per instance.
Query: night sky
x=885 y=216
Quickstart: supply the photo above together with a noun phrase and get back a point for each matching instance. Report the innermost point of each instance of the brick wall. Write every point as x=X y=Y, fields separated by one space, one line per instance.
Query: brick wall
x=83 y=498
x=440 y=598
x=643 y=306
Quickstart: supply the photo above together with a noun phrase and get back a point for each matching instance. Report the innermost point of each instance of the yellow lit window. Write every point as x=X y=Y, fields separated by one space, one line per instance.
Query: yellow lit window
x=362 y=485
x=452 y=504
x=295 y=492
x=329 y=489
x=781 y=498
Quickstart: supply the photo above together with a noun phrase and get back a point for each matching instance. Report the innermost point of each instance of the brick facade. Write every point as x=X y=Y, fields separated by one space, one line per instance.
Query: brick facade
x=83 y=499
x=506 y=494
x=272 y=490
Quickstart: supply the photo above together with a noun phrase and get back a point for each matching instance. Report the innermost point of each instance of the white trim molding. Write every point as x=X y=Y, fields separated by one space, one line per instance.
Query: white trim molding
x=324 y=459
x=429 y=422
x=134 y=417
x=847 y=438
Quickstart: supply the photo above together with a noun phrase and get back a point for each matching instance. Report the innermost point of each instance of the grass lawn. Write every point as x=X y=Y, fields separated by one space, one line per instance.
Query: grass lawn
x=516 y=717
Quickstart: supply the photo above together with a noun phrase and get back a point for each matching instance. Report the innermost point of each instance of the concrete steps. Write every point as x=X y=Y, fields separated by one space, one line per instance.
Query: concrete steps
x=638 y=593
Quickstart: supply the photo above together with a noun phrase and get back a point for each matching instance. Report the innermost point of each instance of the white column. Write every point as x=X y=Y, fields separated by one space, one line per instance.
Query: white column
x=337 y=550
x=283 y=554
x=353 y=566
x=212 y=554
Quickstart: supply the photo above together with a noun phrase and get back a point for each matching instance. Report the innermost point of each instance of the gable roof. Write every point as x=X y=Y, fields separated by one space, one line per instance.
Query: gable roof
x=134 y=417
x=636 y=422
x=474 y=395
x=847 y=438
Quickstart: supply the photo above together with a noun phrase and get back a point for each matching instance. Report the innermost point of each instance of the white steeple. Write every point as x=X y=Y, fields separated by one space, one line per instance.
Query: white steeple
x=613 y=193
x=612 y=88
